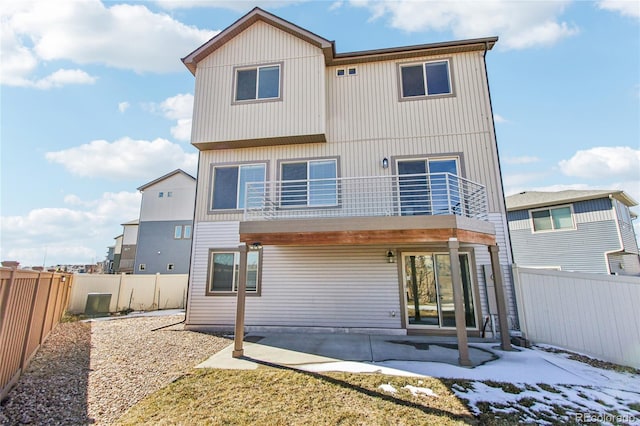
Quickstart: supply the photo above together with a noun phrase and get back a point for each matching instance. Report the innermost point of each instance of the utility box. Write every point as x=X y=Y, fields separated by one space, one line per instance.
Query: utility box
x=97 y=304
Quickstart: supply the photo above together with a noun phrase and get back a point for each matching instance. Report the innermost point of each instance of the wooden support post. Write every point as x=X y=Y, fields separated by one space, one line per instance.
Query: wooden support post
x=505 y=338
x=458 y=303
x=238 y=350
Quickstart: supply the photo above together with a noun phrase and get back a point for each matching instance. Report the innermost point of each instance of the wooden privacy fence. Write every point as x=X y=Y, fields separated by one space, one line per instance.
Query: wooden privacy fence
x=31 y=304
x=130 y=292
x=595 y=314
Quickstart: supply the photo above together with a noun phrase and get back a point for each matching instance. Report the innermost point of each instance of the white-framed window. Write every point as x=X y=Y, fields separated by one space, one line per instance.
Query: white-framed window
x=224 y=266
x=230 y=184
x=258 y=83
x=309 y=183
x=142 y=267
x=425 y=79
x=552 y=219
x=345 y=72
x=182 y=232
x=160 y=194
x=186 y=234
x=169 y=194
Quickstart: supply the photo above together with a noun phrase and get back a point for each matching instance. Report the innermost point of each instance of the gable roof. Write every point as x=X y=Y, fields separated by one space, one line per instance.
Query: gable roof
x=327 y=46
x=533 y=199
x=168 y=175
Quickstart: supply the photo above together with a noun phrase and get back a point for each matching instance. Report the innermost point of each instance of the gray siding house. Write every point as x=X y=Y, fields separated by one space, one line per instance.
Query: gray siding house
x=352 y=191
x=128 y=247
x=582 y=231
x=166 y=224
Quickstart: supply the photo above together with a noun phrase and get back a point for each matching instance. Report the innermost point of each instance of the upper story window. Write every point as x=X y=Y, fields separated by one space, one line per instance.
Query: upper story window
x=258 y=83
x=230 y=184
x=160 y=194
x=425 y=79
x=310 y=183
x=342 y=72
x=552 y=219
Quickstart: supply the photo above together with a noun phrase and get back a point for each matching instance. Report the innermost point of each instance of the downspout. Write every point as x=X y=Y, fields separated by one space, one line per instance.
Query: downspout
x=615 y=220
x=193 y=239
x=504 y=201
x=495 y=138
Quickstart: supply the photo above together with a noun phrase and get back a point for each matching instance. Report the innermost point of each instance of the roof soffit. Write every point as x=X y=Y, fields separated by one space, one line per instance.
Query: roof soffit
x=245 y=22
x=328 y=47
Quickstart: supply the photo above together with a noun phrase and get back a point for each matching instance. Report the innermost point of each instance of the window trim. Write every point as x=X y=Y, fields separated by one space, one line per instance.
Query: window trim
x=212 y=167
x=184 y=232
x=336 y=159
x=212 y=251
x=257 y=67
x=452 y=87
x=573 y=219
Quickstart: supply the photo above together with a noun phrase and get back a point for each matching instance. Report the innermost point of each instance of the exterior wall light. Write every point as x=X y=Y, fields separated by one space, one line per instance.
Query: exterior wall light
x=385 y=162
x=256 y=246
x=391 y=256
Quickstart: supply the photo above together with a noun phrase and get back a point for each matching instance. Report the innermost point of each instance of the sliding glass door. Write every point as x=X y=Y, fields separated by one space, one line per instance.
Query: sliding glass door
x=429 y=290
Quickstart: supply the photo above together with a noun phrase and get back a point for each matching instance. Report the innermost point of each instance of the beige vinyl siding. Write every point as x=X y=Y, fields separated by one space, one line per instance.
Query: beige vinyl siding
x=301 y=111
x=366 y=123
x=358 y=158
x=367 y=106
x=301 y=286
x=208 y=235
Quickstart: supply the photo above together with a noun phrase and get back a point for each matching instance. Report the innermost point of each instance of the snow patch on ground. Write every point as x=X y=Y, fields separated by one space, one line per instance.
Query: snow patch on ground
x=545 y=387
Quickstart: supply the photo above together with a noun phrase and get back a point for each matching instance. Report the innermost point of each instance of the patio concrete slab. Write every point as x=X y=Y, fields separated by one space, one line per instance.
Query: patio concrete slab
x=295 y=349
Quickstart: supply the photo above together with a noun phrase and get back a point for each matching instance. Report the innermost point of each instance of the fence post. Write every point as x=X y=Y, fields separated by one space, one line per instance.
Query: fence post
x=32 y=305
x=520 y=302
x=5 y=296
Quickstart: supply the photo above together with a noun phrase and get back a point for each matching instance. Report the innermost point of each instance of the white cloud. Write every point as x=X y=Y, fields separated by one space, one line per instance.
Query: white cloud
x=69 y=235
x=519 y=24
x=604 y=162
x=125 y=158
x=179 y=108
x=499 y=119
x=88 y=32
x=624 y=7
x=63 y=77
x=123 y=106
x=239 y=6
x=520 y=160
x=182 y=130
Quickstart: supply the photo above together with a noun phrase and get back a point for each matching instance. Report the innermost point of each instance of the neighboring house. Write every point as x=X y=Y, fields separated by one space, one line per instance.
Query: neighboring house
x=129 y=241
x=117 y=254
x=582 y=231
x=356 y=180
x=108 y=263
x=165 y=224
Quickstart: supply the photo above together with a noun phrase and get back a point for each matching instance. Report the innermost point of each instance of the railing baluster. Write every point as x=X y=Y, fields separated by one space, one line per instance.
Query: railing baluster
x=418 y=194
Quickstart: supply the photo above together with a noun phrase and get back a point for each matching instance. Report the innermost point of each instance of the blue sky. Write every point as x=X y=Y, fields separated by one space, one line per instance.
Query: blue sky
x=95 y=101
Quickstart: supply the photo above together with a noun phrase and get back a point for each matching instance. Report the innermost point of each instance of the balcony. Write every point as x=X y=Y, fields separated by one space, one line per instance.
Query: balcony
x=365 y=209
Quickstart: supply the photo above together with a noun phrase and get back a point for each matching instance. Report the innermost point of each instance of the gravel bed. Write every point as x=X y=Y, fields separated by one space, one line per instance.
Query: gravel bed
x=92 y=372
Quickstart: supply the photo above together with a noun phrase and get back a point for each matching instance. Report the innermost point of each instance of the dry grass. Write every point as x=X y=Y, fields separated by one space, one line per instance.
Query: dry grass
x=269 y=396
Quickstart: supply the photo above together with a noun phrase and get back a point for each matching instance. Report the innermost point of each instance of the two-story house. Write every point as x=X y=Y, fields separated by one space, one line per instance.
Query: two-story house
x=128 y=247
x=166 y=224
x=583 y=231
x=361 y=190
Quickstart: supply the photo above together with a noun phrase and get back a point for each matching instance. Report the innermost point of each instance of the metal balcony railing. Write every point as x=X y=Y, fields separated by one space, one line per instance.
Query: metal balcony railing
x=399 y=195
